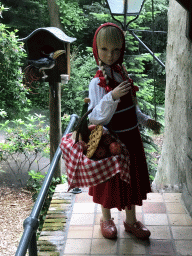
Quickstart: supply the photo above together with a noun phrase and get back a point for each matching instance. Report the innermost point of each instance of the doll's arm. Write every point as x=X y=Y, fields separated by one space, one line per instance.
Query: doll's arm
x=141 y=117
x=146 y=120
x=102 y=103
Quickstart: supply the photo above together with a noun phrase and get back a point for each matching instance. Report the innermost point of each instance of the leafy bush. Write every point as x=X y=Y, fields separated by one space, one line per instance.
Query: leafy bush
x=13 y=95
x=36 y=179
x=26 y=142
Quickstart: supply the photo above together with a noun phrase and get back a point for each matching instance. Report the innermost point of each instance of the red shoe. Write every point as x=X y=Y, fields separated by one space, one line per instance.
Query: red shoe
x=138 y=229
x=108 y=229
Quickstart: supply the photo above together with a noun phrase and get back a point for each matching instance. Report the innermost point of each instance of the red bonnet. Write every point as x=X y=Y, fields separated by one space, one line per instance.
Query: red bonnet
x=95 y=52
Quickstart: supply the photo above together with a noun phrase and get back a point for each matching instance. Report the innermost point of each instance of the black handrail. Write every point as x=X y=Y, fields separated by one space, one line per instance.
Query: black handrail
x=28 y=239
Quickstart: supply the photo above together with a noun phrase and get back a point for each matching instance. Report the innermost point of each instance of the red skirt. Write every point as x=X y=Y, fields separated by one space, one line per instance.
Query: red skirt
x=116 y=193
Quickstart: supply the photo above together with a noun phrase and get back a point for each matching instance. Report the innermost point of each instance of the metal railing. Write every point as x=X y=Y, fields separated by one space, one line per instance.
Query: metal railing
x=31 y=224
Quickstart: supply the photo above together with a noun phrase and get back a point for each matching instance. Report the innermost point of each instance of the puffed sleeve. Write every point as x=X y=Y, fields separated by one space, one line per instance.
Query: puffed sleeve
x=102 y=103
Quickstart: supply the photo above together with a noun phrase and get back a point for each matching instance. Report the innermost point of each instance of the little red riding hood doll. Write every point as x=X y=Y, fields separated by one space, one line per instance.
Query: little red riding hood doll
x=113 y=99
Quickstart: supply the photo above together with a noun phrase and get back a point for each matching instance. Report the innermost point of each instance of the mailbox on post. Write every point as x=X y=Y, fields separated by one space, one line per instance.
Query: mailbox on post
x=48 y=52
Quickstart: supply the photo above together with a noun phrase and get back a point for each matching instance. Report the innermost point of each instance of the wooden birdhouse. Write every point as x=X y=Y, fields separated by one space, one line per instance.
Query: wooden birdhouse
x=44 y=41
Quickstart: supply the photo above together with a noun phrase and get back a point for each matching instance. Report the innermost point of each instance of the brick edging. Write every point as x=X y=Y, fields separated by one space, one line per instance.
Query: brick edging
x=52 y=237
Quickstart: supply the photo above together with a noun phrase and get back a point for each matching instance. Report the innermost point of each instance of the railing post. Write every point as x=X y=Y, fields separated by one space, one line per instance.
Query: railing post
x=31 y=224
x=147 y=48
x=33 y=245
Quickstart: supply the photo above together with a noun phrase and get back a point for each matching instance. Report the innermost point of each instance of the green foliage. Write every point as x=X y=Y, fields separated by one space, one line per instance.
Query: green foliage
x=83 y=68
x=149 y=147
x=13 y=95
x=3 y=113
x=145 y=22
x=136 y=66
x=96 y=14
x=34 y=184
x=25 y=15
x=36 y=179
x=2 y=8
x=39 y=95
x=65 y=121
x=72 y=16
x=26 y=142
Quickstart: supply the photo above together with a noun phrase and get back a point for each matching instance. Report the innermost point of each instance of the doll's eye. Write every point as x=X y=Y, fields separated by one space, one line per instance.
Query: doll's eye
x=104 y=49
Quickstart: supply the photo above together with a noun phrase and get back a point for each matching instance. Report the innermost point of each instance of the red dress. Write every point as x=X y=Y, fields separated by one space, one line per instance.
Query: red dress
x=116 y=193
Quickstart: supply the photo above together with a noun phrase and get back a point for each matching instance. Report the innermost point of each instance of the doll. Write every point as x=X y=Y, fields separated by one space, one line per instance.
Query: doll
x=113 y=100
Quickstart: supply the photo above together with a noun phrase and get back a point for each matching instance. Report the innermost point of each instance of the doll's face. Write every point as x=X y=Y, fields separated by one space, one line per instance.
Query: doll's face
x=109 y=53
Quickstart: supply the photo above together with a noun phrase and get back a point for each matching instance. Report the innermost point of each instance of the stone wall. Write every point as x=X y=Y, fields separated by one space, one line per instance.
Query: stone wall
x=175 y=166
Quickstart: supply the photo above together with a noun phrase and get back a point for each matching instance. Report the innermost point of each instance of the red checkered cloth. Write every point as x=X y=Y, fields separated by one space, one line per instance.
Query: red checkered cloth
x=85 y=172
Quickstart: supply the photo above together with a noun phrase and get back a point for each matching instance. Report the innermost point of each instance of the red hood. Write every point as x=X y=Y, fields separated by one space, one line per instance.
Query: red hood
x=95 y=52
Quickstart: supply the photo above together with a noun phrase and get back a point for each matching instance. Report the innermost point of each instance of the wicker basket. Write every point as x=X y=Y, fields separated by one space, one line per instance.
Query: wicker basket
x=82 y=133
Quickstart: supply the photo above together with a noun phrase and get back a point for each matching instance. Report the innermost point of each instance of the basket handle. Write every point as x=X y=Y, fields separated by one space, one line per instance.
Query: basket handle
x=77 y=128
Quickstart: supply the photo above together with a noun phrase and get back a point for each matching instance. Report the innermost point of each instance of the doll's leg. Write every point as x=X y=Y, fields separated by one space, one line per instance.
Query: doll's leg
x=106 y=213
x=108 y=228
x=135 y=227
x=130 y=215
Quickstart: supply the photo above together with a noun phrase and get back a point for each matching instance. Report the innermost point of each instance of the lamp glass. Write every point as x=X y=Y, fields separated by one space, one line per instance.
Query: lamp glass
x=133 y=7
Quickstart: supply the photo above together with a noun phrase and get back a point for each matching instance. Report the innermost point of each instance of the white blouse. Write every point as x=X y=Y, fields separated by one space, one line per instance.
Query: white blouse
x=104 y=106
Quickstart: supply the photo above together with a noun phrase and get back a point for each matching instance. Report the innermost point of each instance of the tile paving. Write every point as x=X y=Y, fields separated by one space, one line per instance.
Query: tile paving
x=163 y=214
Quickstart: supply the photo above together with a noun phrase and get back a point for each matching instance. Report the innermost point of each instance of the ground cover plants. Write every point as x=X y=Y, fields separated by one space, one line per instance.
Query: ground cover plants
x=26 y=142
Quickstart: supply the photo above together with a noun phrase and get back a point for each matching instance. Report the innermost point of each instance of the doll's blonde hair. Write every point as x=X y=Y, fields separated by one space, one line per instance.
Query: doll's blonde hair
x=109 y=35
x=106 y=36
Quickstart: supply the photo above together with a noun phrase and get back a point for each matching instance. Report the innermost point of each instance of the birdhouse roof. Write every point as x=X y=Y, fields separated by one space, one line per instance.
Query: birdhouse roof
x=56 y=32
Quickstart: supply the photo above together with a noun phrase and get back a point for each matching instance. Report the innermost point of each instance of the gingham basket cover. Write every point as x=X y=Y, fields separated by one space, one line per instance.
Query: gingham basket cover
x=84 y=172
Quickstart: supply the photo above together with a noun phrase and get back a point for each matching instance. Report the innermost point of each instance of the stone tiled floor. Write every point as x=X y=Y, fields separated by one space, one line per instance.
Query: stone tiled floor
x=164 y=215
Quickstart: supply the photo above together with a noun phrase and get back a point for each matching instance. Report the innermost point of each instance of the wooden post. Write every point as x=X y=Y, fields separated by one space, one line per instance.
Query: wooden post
x=68 y=60
x=55 y=114
x=55 y=122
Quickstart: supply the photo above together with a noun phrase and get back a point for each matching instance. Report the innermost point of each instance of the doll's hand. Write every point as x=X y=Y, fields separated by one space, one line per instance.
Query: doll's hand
x=121 y=90
x=155 y=126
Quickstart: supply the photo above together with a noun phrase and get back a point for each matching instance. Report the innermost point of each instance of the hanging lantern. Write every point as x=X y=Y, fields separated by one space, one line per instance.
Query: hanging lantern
x=125 y=7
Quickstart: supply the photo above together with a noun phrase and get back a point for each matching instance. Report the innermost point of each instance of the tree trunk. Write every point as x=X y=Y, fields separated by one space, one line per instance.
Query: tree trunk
x=175 y=166
x=54 y=14
x=55 y=97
